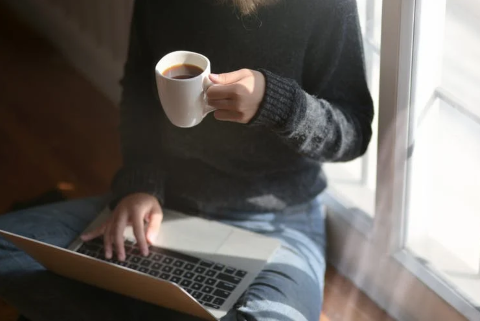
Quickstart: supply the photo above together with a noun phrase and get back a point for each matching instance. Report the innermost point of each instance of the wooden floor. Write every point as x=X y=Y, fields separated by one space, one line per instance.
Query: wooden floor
x=58 y=132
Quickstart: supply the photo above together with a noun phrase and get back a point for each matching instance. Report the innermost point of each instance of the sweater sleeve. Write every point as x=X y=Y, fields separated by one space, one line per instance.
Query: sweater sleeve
x=329 y=119
x=139 y=118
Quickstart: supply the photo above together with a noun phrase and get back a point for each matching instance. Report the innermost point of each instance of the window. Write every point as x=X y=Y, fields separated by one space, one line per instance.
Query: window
x=420 y=256
x=443 y=183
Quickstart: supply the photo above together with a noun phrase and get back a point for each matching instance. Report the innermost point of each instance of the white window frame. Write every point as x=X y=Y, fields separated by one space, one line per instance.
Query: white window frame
x=369 y=251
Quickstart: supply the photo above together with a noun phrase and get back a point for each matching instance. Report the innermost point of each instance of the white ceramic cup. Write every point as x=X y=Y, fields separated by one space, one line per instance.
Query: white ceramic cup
x=184 y=100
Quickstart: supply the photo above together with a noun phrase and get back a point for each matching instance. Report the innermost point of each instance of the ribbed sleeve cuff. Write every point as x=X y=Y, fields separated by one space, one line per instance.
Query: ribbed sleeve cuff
x=278 y=102
x=138 y=180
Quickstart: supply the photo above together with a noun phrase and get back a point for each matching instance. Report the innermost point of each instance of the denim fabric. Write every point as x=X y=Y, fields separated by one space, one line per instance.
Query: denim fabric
x=290 y=288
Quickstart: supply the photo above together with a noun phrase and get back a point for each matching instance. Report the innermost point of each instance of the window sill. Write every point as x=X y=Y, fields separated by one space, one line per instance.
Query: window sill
x=354 y=216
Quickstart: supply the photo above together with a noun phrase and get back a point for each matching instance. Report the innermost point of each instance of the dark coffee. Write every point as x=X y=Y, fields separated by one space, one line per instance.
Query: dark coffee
x=183 y=71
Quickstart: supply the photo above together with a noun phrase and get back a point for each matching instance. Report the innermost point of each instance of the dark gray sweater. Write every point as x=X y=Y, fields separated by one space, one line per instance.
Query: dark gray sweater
x=317 y=107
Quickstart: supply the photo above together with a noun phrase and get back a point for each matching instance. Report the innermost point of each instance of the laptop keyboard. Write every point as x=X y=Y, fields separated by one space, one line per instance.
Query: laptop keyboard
x=210 y=283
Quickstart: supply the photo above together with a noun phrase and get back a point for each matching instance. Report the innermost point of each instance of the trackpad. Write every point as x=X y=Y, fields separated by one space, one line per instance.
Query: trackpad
x=190 y=234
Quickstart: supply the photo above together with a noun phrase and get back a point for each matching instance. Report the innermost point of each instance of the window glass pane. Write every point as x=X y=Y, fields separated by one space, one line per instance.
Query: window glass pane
x=354 y=182
x=461 y=55
x=443 y=202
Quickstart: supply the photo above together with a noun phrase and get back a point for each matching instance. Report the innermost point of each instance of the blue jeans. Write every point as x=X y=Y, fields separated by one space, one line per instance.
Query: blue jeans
x=290 y=288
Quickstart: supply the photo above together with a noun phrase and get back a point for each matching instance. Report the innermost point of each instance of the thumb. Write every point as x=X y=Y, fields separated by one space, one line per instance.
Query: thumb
x=228 y=78
x=155 y=221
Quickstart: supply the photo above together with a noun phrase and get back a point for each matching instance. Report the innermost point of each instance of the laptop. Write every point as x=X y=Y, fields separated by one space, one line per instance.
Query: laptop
x=196 y=266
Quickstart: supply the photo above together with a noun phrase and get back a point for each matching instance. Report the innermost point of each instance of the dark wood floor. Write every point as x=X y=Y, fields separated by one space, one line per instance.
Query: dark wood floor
x=58 y=132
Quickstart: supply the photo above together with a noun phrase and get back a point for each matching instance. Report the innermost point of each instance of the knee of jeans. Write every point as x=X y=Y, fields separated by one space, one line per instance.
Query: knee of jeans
x=14 y=262
x=237 y=315
x=6 y=250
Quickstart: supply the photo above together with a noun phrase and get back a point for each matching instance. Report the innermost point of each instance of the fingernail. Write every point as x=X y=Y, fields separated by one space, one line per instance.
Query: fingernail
x=145 y=252
x=214 y=76
x=151 y=237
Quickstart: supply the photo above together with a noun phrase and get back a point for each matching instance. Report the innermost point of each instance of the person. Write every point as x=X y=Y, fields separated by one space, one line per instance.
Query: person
x=290 y=93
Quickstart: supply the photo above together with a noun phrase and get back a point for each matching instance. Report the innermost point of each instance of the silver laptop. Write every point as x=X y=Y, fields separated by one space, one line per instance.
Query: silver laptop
x=196 y=266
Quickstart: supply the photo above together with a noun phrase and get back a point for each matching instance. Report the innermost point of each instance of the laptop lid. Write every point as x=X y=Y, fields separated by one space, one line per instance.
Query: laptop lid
x=121 y=280
x=205 y=239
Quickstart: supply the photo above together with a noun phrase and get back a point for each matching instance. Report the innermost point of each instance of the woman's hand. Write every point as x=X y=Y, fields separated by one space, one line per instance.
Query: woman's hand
x=136 y=210
x=236 y=95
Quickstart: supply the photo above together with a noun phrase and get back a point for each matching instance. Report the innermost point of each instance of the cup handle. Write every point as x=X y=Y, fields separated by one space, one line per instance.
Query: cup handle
x=207 y=83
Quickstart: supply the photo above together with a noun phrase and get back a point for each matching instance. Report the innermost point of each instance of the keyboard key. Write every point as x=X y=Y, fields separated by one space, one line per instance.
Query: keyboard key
x=146 y=263
x=200 y=270
x=154 y=273
x=135 y=259
x=99 y=255
x=201 y=302
x=190 y=291
x=176 y=255
x=230 y=270
x=225 y=286
x=178 y=272
x=199 y=278
x=210 y=273
x=210 y=282
x=196 y=286
x=143 y=269
x=165 y=276
x=218 y=301
x=206 y=264
x=133 y=266
x=167 y=269
x=92 y=247
x=156 y=266
x=178 y=263
x=98 y=240
x=207 y=289
x=90 y=253
x=212 y=305
x=123 y=263
x=221 y=293
x=175 y=279
x=157 y=257
x=136 y=252
x=189 y=275
x=167 y=260
x=197 y=295
x=189 y=267
x=241 y=273
x=207 y=298
x=186 y=283
x=218 y=267
x=229 y=278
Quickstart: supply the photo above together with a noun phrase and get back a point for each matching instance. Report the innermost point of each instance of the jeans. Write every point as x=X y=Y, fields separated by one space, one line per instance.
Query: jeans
x=290 y=287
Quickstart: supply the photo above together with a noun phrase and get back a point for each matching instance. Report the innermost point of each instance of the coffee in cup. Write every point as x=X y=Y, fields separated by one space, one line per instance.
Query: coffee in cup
x=182 y=71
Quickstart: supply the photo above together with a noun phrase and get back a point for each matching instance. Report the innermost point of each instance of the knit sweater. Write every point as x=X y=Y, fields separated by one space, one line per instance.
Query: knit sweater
x=317 y=107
